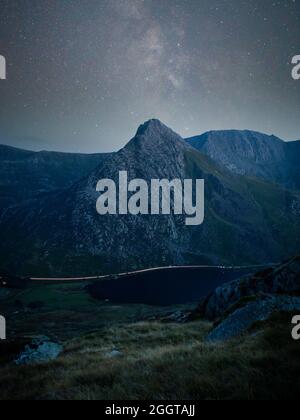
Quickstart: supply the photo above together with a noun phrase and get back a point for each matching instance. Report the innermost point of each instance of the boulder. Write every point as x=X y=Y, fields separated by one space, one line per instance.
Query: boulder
x=39 y=351
x=115 y=353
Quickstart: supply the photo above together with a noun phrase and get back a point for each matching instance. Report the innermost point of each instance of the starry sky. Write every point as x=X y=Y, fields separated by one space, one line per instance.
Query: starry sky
x=83 y=74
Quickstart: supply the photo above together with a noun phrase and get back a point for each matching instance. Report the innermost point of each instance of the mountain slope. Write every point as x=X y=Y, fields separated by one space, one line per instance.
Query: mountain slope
x=252 y=154
x=293 y=162
x=24 y=173
x=246 y=221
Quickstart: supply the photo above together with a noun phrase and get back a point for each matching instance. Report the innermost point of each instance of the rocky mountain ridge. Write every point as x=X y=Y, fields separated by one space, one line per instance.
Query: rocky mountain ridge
x=253 y=154
x=60 y=233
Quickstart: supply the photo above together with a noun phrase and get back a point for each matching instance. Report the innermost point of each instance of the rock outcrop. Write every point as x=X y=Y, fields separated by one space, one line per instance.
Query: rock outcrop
x=236 y=306
x=242 y=319
x=282 y=279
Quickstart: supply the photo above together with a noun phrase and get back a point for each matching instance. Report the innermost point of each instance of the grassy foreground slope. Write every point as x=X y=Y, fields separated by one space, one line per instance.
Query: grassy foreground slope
x=165 y=361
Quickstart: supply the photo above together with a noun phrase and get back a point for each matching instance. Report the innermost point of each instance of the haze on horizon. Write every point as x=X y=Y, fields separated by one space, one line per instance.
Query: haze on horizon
x=83 y=75
x=109 y=151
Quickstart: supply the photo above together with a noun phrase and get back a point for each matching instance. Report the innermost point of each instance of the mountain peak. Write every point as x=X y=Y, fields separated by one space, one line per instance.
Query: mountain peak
x=155 y=139
x=153 y=125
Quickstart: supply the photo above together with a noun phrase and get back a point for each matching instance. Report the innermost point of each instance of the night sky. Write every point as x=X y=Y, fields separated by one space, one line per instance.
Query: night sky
x=83 y=74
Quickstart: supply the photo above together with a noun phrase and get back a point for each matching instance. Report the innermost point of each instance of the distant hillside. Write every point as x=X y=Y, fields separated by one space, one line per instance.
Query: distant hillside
x=253 y=154
x=24 y=174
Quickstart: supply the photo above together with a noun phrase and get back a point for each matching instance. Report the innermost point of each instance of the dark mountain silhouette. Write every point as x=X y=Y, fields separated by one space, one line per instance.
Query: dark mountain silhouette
x=247 y=220
x=24 y=173
x=293 y=163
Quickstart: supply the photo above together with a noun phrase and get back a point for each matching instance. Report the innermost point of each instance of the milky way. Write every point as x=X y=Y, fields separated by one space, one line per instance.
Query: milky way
x=83 y=74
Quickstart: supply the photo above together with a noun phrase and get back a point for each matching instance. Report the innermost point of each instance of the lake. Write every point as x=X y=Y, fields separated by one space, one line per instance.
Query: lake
x=165 y=286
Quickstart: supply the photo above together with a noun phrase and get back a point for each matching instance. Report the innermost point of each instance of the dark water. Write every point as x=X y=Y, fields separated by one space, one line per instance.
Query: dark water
x=165 y=286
